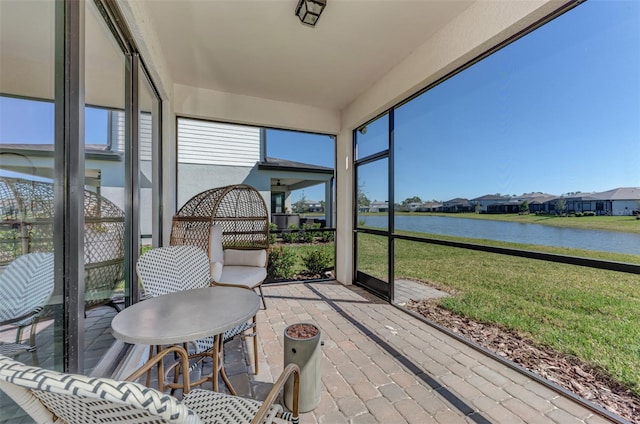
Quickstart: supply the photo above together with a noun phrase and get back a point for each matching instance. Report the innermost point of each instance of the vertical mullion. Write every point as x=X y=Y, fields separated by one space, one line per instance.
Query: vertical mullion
x=156 y=173
x=392 y=213
x=354 y=211
x=132 y=178
x=69 y=181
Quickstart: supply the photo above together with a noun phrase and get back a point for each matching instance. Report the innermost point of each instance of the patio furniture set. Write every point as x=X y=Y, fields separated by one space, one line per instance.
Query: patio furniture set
x=199 y=293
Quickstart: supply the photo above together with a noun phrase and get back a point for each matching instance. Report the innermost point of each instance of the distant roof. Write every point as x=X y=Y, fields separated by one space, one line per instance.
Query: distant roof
x=491 y=197
x=431 y=204
x=288 y=165
x=620 y=193
x=457 y=200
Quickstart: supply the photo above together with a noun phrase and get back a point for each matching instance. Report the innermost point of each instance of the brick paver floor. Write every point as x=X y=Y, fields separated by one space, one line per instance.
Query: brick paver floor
x=380 y=365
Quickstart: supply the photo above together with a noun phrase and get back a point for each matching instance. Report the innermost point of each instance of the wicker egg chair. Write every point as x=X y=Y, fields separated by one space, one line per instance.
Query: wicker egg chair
x=26 y=226
x=239 y=209
x=233 y=217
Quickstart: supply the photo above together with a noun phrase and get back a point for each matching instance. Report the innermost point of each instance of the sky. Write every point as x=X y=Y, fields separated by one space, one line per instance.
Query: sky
x=557 y=111
x=314 y=149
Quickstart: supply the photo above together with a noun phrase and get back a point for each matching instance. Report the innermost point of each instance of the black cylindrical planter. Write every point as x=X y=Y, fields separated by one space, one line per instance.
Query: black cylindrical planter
x=305 y=352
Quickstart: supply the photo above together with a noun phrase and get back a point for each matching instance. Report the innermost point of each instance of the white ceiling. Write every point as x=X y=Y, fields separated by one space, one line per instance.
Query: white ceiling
x=251 y=47
x=259 y=47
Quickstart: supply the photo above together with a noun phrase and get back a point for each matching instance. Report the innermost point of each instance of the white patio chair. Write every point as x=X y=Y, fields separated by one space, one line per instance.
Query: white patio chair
x=54 y=397
x=245 y=268
x=173 y=268
x=26 y=286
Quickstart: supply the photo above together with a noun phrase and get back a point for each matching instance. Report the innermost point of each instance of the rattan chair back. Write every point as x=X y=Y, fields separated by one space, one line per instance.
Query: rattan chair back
x=239 y=209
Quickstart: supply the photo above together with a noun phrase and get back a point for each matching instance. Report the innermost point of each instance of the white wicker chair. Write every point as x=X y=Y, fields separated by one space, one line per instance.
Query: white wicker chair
x=54 y=397
x=174 y=268
x=26 y=286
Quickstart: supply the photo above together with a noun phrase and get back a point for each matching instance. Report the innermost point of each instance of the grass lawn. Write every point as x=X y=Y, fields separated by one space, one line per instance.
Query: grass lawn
x=626 y=224
x=590 y=313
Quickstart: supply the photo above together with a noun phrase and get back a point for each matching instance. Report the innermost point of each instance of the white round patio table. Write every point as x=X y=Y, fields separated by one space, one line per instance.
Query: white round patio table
x=186 y=316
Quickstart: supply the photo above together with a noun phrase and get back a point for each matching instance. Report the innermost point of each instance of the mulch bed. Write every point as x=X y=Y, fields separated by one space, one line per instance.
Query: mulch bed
x=566 y=371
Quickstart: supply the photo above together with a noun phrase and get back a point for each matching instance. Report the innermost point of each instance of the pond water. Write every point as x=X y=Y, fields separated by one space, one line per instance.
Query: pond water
x=607 y=241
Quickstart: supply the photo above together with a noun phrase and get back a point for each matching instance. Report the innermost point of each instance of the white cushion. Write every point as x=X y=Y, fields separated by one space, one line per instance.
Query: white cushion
x=215 y=244
x=245 y=257
x=248 y=276
x=216 y=271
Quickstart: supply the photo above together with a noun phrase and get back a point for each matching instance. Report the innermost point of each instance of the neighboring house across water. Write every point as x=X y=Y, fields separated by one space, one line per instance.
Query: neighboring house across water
x=619 y=201
x=313 y=206
x=491 y=203
x=536 y=201
x=457 y=205
x=379 y=206
x=430 y=207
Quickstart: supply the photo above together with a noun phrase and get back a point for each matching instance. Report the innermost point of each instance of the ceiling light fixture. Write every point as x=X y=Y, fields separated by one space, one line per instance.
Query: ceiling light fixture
x=309 y=11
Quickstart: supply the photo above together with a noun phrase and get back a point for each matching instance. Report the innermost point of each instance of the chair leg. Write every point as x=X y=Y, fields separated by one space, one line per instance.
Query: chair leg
x=32 y=343
x=255 y=346
x=262 y=296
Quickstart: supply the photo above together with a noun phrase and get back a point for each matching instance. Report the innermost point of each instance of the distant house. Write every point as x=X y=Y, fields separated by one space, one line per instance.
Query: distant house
x=430 y=207
x=413 y=206
x=379 y=206
x=482 y=204
x=457 y=205
x=536 y=201
x=622 y=201
x=310 y=206
x=618 y=202
x=510 y=206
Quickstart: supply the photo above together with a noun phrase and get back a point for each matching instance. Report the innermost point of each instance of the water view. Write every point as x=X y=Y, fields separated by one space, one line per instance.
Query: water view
x=606 y=241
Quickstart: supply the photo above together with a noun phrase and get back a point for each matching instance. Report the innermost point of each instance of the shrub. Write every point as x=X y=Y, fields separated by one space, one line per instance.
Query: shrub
x=281 y=262
x=306 y=236
x=589 y=213
x=290 y=237
x=273 y=233
x=316 y=261
x=328 y=236
x=578 y=214
x=316 y=226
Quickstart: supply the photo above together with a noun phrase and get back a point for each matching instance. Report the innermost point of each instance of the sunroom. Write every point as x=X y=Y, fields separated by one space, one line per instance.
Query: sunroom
x=411 y=104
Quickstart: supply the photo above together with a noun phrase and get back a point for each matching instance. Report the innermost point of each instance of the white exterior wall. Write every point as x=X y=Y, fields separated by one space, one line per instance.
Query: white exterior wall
x=196 y=178
x=212 y=143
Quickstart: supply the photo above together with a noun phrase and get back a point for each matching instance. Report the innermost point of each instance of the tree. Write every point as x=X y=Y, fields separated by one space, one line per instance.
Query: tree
x=300 y=204
x=363 y=200
x=414 y=199
x=524 y=206
x=561 y=205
